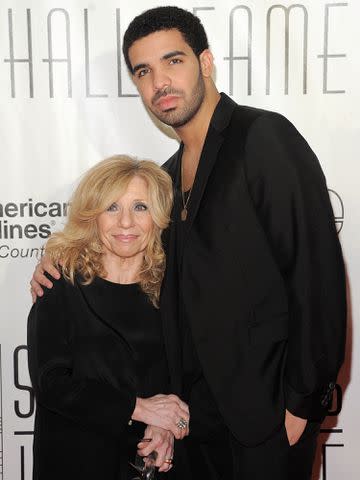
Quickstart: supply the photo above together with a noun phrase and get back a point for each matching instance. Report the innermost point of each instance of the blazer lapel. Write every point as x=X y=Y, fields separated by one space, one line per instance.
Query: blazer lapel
x=169 y=296
x=169 y=313
x=169 y=293
x=208 y=158
x=213 y=141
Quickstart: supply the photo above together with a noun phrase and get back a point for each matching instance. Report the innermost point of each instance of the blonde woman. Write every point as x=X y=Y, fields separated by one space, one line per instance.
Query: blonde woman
x=96 y=352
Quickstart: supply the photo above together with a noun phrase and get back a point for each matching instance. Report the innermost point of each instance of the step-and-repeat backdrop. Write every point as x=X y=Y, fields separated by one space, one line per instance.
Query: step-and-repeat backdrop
x=67 y=101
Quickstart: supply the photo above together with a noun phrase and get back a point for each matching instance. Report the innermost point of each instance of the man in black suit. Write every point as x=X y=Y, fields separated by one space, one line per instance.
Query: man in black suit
x=255 y=274
x=253 y=300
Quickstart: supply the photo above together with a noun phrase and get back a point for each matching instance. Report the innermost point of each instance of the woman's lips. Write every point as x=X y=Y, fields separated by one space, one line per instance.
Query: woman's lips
x=125 y=238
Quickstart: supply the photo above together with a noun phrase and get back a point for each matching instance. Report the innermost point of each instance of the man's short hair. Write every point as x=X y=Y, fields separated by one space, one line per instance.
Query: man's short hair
x=166 y=18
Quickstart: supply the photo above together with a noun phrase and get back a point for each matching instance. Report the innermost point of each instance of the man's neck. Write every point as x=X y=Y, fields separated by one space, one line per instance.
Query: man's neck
x=194 y=132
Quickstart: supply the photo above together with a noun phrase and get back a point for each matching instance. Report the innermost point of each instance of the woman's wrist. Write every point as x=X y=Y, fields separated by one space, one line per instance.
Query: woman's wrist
x=137 y=413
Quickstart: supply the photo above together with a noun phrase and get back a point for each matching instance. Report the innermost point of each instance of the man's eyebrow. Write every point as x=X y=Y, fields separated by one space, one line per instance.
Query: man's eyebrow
x=139 y=66
x=174 y=53
x=171 y=54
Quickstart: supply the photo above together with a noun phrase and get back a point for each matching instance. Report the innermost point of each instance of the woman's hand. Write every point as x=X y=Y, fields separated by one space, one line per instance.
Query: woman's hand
x=165 y=411
x=162 y=441
x=39 y=279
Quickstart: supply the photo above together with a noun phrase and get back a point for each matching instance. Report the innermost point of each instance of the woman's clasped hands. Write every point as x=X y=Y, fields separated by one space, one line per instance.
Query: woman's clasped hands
x=167 y=417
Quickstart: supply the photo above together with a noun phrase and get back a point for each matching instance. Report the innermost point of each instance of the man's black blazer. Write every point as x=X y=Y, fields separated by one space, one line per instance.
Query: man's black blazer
x=262 y=279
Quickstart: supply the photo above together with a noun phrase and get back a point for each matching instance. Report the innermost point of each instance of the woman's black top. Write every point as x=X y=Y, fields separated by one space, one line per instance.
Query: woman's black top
x=92 y=350
x=128 y=309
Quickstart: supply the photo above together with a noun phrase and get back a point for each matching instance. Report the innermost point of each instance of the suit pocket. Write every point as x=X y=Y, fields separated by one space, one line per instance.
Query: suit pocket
x=268 y=327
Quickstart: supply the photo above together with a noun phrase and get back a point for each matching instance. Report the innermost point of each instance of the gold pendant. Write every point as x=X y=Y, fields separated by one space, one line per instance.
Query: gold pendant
x=183 y=214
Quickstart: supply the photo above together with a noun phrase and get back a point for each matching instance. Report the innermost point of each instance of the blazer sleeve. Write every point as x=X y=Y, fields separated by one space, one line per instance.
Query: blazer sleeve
x=290 y=195
x=95 y=404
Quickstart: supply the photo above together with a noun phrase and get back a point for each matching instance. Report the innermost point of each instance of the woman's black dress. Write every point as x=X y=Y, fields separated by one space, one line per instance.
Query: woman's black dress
x=92 y=350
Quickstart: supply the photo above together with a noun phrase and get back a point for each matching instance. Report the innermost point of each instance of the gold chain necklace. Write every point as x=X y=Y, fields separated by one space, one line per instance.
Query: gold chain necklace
x=184 y=211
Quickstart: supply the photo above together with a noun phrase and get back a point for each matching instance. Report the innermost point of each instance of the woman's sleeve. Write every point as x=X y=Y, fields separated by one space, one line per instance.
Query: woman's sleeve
x=96 y=405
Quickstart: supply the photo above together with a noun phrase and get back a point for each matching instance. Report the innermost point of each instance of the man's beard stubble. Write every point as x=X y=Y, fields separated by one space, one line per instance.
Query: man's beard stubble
x=179 y=117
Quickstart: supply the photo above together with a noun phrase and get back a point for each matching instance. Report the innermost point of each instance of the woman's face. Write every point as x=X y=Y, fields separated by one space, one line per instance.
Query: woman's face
x=126 y=226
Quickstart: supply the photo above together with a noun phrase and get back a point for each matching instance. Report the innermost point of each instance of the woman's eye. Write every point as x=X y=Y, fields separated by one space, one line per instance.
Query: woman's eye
x=112 y=208
x=140 y=207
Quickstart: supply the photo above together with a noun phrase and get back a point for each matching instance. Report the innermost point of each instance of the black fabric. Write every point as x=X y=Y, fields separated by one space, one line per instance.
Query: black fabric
x=131 y=314
x=224 y=458
x=262 y=278
x=92 y=350
x=206 y=420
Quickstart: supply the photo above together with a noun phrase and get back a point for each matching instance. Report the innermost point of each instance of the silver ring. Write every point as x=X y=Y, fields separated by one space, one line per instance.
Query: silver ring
x=182 y=423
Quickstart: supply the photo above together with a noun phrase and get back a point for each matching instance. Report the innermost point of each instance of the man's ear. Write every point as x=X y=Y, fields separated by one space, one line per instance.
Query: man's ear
x=206 y=63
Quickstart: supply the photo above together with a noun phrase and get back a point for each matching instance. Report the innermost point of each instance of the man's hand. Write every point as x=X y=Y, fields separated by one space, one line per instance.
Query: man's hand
x=295 y=427
x=162 y=441
x=39 y=278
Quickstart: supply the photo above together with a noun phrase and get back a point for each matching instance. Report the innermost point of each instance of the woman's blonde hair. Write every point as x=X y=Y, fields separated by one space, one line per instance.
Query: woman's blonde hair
x=78 y=248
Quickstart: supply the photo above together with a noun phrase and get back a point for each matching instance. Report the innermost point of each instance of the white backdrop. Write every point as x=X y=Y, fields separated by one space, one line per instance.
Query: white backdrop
x=67 y=102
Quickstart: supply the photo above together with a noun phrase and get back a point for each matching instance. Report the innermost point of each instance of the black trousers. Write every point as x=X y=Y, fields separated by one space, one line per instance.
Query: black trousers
x=224 y=458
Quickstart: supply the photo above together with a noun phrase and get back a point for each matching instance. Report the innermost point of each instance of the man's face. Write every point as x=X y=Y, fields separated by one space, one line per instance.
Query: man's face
x=168 y=77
